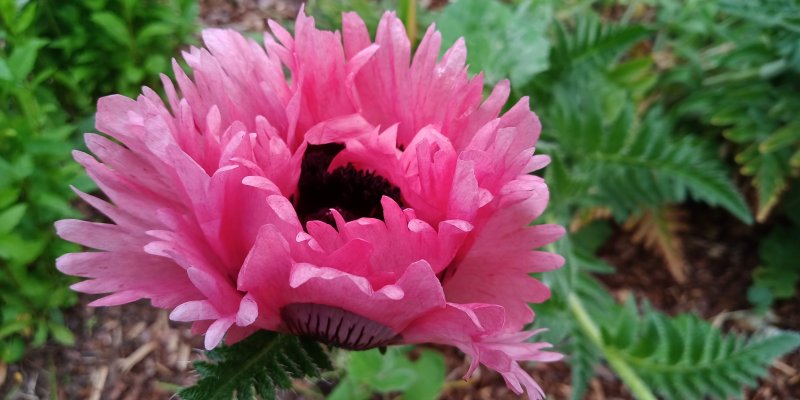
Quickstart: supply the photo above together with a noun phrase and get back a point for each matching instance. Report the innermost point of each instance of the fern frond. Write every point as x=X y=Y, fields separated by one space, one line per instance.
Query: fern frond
x=779 y=272
x=770 y=172
x=628 y=162
x=687 y=358
x=258 y=365
x=659 y=230
x=659 y=168
x=592 y=39
x=583 y=357
x=587 y=216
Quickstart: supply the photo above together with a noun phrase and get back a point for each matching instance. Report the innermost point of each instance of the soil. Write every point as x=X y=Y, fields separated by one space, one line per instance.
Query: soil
x=134 y=352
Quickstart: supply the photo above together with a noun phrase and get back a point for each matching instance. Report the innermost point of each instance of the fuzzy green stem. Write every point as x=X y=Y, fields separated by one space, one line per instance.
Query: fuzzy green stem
x=634 y=383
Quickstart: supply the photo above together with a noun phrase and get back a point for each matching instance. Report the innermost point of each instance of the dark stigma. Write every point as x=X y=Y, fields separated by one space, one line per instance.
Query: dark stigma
x=352 y=192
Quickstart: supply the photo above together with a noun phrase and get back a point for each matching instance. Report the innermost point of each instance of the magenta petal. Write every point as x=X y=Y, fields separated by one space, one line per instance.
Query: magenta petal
x=194 y=311
x=248 y=311
x=478 y=330
x=216 y=331
x=116 y=299
x=97 y=235
x=338 y=129
x=302 y=273
x=416 y=292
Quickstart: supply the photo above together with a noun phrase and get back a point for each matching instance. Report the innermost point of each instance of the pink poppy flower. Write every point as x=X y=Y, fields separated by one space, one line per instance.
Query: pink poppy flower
x=368 y=197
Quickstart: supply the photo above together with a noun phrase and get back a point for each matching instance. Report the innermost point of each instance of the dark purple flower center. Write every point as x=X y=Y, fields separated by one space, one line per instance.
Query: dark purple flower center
x=336 y=327
x=352 y=192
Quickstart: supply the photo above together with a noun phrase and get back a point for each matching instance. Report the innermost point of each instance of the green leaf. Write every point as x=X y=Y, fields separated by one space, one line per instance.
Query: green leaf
x=12 y=328
x=113 y=26
x=384 y=374
x=593 y=40
x=395 y=372
x=5 y=72
x=8 y=10
x=634 y=164
x=686 y=358
x=583 y=358
x=23 y=58
x=787 y=135
x=18 y=250
x=779 y=273
x=430 y=371
x=503 y=42
x=10 y=217
x=258 y=365
x=40 y=334
x=349 y=389
x=26 y=18
x=62 y=334
x=8 y=196
x=154 y=31
x=12 y=350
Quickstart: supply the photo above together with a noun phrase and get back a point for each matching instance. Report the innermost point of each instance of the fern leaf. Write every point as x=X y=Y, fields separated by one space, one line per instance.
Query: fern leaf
x=629 y=164
x=687 y=358
x=587 y=216
x=687 y=162
x=583 y=358
x=779 y=272
x=258 y=365
x=770 y=177
x=591 y=39
x=659 y=230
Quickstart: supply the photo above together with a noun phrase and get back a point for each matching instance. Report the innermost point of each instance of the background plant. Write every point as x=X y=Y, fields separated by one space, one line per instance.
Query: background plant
x=55 y=60
x=626 y=144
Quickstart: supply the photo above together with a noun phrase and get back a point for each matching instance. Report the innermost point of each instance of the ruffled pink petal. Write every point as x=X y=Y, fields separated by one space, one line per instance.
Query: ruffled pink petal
x=479 y=331
x=404 y=239
x=99 y=235
x=137 y=274
x=394 y=306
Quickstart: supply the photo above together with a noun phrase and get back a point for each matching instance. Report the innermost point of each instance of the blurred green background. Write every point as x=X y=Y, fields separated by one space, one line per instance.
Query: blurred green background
x=664 y=119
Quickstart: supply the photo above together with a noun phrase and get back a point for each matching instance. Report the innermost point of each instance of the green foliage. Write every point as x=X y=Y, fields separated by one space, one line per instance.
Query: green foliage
x=328 y=14
x=623 y=157
x=369 y=372
x=779 y=273
x=111 y=46
x=591 y=40
x=55 y=59
x=618 y=143
x=679 y=357
x=258 y=365
x=504 y=42
x=738 y=72
x=684 y=357
x=629 y=165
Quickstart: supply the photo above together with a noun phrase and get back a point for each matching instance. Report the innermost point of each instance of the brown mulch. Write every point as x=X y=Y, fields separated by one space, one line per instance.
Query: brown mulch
x=722 y=253
x=247 y=15
x=130 y=352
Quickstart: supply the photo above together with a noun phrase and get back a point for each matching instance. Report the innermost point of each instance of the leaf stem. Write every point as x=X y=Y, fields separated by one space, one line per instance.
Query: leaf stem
x=634 y=383
x=411 y=21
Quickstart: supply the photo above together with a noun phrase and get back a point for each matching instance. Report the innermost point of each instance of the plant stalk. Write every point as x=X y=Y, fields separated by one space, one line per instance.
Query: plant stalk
x=634 y=383
x=411 y=21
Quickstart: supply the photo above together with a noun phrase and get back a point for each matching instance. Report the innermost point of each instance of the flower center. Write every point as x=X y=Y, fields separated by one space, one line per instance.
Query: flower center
x=336 y=327
x=352 y=192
